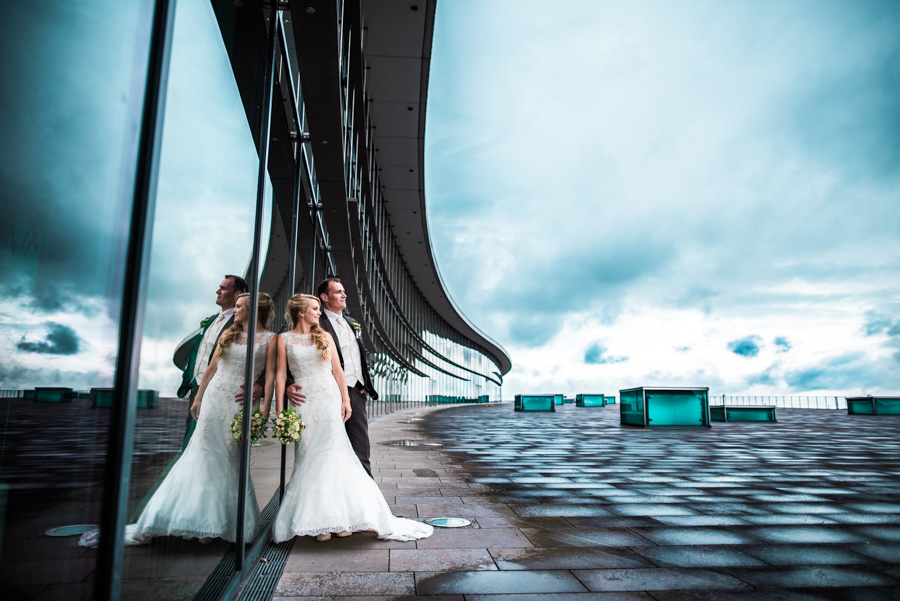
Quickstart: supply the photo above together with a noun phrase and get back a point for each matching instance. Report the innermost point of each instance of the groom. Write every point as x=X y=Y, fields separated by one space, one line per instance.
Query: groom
x=205 y=341
x=352 y=354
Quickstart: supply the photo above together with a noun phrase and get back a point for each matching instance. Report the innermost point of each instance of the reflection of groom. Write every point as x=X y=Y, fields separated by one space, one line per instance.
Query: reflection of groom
x=352 y=354
x=205 y=342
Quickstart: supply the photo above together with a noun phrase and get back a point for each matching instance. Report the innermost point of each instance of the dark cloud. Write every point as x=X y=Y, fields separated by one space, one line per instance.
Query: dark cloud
x=61 y=169
x=565 y=278
x=60 y=340
x=598 y=354
x=765 y=378
x=850 y=371
x=783 y=344
x=877 y=323
x=745 y=347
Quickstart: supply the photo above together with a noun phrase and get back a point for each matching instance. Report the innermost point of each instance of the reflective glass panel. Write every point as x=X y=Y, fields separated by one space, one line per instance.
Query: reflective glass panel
x=676 y=408
x=73 y=75
x=185 y=473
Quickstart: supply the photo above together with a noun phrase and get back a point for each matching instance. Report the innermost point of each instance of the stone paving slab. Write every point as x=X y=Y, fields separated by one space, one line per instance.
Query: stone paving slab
x=571 y=506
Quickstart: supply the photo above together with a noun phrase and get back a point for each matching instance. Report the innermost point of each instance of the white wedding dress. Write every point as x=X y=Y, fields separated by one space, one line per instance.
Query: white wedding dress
x=330 y=490
x=199 y=496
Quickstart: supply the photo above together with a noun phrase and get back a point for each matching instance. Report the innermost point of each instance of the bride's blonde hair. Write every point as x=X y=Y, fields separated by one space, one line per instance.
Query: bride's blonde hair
x=298 y=304
x=264 y=313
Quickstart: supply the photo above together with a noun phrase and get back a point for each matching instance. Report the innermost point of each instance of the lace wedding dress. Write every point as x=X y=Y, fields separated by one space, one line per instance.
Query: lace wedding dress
x=330 y=490
x=199 y=496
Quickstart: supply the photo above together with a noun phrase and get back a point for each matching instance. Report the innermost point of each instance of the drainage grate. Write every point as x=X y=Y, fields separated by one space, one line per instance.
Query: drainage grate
x=225 y=572
x=213 y=586
x=264 y=578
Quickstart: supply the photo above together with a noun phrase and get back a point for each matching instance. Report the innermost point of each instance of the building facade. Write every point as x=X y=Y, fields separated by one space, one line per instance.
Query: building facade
x=151 y=147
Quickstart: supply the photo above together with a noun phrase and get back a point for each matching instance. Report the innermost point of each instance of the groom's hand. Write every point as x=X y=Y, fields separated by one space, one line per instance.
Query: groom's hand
x=257 y=394
x=294 y=396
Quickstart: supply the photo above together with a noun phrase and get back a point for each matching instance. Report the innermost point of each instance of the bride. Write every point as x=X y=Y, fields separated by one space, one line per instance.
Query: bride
x=330 y=491
x=198 y=497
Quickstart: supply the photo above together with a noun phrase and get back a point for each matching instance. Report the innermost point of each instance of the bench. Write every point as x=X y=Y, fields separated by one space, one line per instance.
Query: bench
x=873 y=405
x=535 y=402
x=742 y=413
x=656 y=406
x=590 y=400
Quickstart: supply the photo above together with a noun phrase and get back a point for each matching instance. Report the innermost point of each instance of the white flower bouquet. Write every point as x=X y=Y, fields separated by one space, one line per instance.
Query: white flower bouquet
x=288 y=426
x=257 y=425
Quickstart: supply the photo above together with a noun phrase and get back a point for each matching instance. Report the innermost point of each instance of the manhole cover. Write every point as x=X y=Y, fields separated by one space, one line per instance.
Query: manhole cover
x=448 y=522
x=74 y=530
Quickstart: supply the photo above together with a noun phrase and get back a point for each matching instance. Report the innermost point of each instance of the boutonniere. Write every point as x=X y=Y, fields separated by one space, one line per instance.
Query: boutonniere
x=356 y=327
x=205 y=322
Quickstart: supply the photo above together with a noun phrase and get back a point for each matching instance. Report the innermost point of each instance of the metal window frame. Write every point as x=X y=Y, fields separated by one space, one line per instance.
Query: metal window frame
x=119 y=450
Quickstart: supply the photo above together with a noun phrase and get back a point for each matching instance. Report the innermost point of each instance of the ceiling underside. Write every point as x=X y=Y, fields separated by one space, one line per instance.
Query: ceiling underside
x=398 y=57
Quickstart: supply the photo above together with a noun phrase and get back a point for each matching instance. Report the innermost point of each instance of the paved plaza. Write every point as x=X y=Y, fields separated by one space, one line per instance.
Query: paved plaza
x=569 y=505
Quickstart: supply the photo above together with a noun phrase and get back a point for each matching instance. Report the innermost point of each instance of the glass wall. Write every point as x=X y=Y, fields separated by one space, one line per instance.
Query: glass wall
x=73 y=77
x=203 y=231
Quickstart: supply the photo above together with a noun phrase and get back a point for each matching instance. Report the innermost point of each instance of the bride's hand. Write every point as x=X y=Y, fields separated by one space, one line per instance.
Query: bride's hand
x=195 y=410
x=345 y=410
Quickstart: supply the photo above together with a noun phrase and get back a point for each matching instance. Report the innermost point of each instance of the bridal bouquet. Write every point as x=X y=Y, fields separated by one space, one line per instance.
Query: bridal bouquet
x=288 y=426
x=257 y=425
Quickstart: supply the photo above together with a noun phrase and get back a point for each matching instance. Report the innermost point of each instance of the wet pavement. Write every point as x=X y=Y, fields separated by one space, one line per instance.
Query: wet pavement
x=570 y=505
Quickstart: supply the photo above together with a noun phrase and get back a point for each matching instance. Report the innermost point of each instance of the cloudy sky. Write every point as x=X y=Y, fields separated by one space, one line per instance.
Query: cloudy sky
x=672 y=193
x=620 y=193
x=64 y=236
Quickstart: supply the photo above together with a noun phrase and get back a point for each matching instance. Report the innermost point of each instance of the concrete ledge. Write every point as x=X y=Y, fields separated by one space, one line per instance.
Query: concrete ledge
x=536 y=402
x=868 y=405
x=590 y=400
x=742 y=413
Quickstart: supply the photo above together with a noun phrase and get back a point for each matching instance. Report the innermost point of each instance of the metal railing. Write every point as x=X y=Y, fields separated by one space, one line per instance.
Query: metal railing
x=383 y=406
x=790 y=402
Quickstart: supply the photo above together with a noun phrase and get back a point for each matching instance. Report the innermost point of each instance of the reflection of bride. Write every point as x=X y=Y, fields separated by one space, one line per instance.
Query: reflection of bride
x=199 y=496
x=330 y=491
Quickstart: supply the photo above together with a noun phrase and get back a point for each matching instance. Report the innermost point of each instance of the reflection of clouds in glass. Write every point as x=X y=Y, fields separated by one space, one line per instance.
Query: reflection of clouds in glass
x=60 y=340
x=38 y=347
x=68 y=117
x=205 y=209
x=66 y=141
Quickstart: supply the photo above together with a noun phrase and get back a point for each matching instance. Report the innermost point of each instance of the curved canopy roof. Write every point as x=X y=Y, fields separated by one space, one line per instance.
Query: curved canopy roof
x=398 y=57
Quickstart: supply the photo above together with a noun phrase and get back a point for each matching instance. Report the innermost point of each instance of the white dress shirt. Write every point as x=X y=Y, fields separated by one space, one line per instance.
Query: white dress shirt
x=208 y=343
x=349 y=348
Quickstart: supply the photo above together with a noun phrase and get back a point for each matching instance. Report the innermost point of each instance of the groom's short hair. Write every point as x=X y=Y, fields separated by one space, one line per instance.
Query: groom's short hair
x=240 y=284
x=323 y=286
